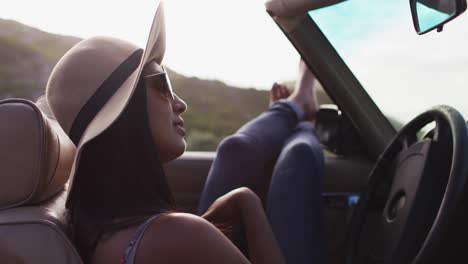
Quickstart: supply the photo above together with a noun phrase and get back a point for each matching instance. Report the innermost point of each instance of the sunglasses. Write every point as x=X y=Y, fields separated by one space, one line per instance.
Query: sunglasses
x=161 y=81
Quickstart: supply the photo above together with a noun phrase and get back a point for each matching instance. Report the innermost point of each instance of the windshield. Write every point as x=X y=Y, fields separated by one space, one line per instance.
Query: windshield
x=403 y=72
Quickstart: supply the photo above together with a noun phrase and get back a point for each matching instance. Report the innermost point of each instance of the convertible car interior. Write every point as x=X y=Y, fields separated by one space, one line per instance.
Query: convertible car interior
x=37 y=157
x=389 y=196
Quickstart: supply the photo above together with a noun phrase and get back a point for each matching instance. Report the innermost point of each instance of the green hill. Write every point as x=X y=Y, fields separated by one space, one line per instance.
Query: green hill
x=215 y=109
x=27 y=57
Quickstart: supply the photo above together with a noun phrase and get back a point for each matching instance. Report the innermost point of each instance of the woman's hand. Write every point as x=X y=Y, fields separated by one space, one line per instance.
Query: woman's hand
x=226 y=212
x=242 y=209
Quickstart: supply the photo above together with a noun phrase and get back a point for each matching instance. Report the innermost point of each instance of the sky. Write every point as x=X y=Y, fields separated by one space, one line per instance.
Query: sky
x=233 y=41
x=403 y=72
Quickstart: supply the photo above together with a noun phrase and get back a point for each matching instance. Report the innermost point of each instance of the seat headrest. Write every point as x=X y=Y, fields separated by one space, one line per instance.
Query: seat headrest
x=36 y=156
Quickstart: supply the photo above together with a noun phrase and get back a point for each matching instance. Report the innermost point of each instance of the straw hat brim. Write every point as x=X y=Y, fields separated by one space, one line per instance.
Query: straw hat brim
x=114 y=107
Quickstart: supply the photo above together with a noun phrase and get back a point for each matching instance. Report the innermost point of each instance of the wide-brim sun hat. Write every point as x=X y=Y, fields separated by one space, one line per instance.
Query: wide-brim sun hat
x=93 y=82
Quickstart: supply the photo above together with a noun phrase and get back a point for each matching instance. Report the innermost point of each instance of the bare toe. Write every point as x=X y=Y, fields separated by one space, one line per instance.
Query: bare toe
x=274 y=93
x=278 y=92
x=285 y=93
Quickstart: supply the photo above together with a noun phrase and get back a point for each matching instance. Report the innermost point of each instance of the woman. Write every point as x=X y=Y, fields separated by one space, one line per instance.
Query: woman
x=115 y=102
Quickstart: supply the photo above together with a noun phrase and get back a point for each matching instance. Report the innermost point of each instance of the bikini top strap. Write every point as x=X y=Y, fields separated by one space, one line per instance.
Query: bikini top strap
x=130 y=251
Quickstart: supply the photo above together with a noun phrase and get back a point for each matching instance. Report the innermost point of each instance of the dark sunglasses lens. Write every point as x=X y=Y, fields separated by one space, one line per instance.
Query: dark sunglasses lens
x=162 y=83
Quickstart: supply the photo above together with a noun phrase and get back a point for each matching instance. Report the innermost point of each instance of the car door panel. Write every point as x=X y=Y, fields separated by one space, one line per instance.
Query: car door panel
x=187 y=176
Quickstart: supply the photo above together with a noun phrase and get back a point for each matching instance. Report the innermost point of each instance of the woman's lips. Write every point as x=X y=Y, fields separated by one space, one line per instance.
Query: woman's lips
x=179 y=125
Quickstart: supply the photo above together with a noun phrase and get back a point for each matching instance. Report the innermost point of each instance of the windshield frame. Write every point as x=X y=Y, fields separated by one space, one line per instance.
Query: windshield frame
x=338 y=81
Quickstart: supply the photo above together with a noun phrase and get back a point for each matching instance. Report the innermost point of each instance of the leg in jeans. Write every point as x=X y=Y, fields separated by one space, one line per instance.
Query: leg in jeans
x=245 y=158
x=294 y=198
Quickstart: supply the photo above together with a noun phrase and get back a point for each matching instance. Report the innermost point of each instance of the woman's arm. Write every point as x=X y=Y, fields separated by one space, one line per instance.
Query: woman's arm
x=184 y=238
x=180 y=238
x=243 y=207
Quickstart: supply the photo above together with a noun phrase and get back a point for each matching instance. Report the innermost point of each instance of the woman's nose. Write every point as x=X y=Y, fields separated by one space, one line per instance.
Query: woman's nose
x=179 y=105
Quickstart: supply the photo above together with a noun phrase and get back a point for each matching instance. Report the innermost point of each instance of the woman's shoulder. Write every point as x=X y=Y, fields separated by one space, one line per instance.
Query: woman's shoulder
x=177 y=229
x=183 y=238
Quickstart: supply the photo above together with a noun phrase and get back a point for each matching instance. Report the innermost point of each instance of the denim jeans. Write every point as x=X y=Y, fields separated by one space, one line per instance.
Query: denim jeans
x=279 y=157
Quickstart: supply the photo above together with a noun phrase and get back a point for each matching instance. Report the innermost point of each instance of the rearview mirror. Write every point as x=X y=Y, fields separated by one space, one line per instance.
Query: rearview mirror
x=431 y=14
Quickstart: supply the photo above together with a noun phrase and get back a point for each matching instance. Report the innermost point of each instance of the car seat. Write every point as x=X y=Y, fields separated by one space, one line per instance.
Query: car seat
x=36 y=157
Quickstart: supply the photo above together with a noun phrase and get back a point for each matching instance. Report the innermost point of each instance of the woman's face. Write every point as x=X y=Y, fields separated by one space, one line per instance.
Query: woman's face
x=164 y=116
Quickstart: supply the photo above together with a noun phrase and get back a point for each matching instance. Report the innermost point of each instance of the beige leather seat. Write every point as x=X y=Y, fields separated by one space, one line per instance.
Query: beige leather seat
x=35 y=161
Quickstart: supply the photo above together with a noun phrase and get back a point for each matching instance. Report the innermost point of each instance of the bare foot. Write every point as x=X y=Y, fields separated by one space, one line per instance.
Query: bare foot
x=277 y=92
x=304 y=93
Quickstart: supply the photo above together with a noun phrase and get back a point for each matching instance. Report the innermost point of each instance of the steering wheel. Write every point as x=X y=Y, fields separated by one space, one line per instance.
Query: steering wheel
x=414 y=191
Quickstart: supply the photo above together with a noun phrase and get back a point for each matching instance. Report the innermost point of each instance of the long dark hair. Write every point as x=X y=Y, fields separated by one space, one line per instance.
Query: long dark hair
x=120 y=180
